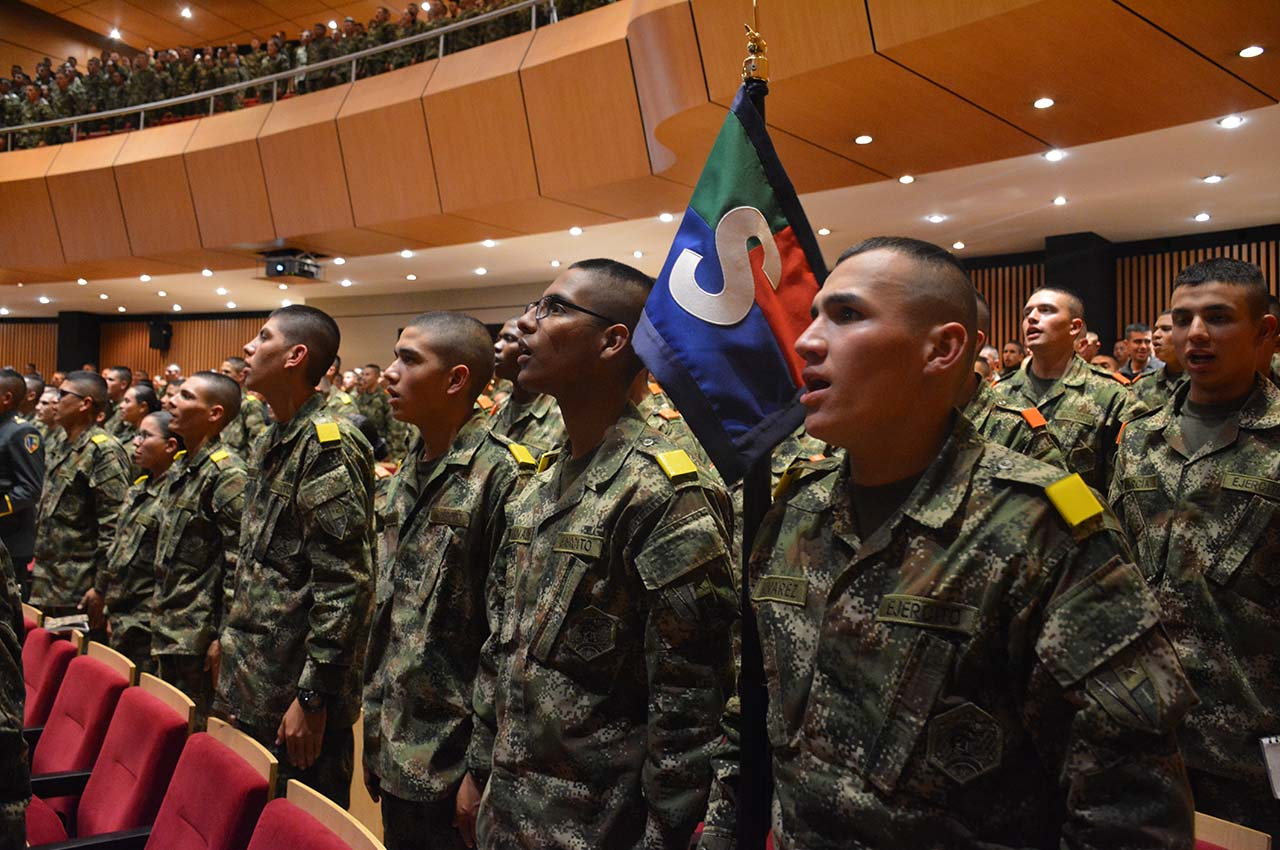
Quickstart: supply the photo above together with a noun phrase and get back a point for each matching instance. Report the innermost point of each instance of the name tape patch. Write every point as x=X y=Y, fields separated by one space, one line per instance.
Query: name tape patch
x=1264 y=487
x=449 y=516
x=521 y=534
x=1139 y=483
x=931 y=613
x=586 y=545
x=789 y=590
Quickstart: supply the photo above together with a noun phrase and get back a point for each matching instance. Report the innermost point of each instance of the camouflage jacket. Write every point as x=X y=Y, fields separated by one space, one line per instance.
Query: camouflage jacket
x=340 y=403
x=1002 y=422
x=84 y=487
x=15 y=788
x=1154 y=389
x=302 y=600
x=375 y=407
x=445 y=522
x=661 y=415
x=245 y=428
x=615 y=646
x=1085 y=409
x=198 y=549
x=129 y=579
x=797 y=445
x=1207 y=529
x=981 y=671
x=537 y=425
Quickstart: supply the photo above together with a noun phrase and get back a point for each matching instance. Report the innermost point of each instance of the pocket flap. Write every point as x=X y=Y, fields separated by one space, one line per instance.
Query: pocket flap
x=679 y=548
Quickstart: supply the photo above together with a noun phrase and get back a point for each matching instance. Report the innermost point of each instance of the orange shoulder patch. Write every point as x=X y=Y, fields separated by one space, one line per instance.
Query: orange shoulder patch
x=1034 y=418
x=1121 y=378
x=669 y=413
x=1120 y=433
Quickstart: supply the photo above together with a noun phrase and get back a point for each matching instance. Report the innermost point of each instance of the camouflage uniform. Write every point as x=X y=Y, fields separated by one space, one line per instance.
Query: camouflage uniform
x=340 y=403
x=445 y=523
x=33 y=113
x=1207 y=528
x=1154 y=389
x=15 y=787
x=251 y=421
x=798 y=445
x=128 y=581
x=615 y=646
x=195 y=560
x=375 y=407
x=1003 y=423
x=979 y=672
x=537 y=425
x=84 y=488
x=1085 y=409
x=302 y=601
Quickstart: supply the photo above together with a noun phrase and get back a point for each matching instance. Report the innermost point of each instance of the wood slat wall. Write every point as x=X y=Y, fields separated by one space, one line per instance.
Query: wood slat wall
x=196 y=344
x=29 y=342
x=1007 y=288
x=1144 y=282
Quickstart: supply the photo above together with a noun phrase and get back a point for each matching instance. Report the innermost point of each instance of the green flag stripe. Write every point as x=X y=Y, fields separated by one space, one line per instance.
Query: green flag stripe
x=733 y=177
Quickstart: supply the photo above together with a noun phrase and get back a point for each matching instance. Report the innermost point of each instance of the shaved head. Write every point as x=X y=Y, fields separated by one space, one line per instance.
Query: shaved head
x=459 y=339
x=218 y=389
x=1072 y=302
x=618 y=291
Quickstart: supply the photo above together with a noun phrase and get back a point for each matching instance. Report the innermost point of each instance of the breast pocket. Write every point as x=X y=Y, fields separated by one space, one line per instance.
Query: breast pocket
x=1248 y=561
x=1074 y=429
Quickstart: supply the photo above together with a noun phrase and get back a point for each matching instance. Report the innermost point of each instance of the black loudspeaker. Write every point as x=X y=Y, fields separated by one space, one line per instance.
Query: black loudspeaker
x=161 y=334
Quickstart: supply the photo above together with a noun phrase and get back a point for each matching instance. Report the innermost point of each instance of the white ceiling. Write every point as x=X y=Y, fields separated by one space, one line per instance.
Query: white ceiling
x=1137 y=187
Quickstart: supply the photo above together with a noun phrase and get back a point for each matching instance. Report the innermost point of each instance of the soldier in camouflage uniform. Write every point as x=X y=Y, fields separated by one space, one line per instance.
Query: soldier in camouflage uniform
x=137 y=403
x=446 y=520
x=252 y=417
x=119 y=379
x=95 y=82
x=372 y=402
x=1154 y=389
x=614 y=635
x=294 y=636
x=35 y=109
x=84 y=488
x=1083 y=405
x=199 y=539
x=128 y=582
x=957 y=649
x=51 y=433
x=411 y=24
x=531 y=419
x=661 y=415
x=15 y=787
x=274 y=62
x=1198 y=485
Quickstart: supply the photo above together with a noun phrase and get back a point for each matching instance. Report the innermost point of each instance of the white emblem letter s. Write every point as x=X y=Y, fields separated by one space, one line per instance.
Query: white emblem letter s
x=733 y=302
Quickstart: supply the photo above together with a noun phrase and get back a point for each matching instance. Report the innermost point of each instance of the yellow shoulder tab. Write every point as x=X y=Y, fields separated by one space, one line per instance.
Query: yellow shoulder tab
x=522 y=455
x=676 y=464
x=248 y=399
x=219 y=455
x=1073 y=499
x=548 y=458
x=140 y=479
x=99 y=439
x=180 y=453
x=344 y=397
x=328 y=432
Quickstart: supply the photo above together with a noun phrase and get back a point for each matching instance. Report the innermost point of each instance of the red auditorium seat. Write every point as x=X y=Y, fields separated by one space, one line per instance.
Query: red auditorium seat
x=31 y=619
x=307 y=820
x=45 y=657
x=150 y=725
x=81 y=713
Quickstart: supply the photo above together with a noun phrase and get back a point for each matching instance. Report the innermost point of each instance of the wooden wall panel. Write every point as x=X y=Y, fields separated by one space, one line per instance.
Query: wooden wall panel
x=34 y=342
x=1007 y=288
x=28 y=35
x=227 y=184
x=302 y=163
x=197 y=343
x=28 y=230
x=154 y=193
x=86 y=200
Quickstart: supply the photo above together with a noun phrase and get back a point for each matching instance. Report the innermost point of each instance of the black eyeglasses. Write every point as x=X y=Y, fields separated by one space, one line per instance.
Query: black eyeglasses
x=64 y=393
x=542 y=308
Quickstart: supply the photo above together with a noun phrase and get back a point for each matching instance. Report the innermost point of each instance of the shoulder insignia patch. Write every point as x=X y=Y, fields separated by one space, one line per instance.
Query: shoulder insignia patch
x=140 y=479
x=669 y=413
x=654 y=389
x=328 y=432
x=1074 y=500
x=31 y=442
x=219 y=455
x=676 y=464
x=99 y=439
x=548 y=458
x=485 y=402
x=248 y=399
x=1121 y=379
x=1034 y=418
x=345 y=398
x=522 y=455
x=179 y=454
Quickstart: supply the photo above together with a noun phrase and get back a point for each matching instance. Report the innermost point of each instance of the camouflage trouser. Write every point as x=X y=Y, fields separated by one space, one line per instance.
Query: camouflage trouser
x=133 y=641
x=409 y=825
x=332 y=772
x=13 y=825
x=1234 y=801
x=187 y=674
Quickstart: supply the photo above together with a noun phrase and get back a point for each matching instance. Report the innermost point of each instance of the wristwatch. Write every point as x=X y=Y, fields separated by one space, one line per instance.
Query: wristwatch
x=311 y=701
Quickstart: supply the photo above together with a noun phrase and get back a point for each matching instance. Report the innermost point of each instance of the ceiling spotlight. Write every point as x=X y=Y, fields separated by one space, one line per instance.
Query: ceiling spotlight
x=344 y=282
x=637 y=254
x=666 y=218
x=177 y=308
x=186 y=12
x=231 y=305
x=162 y=294
x=286 y=303
x=44 y=299
x=4 y=311
x=115 y=33
x=1212 y=178
x=555 y=264
x=121 y=309
x=863 y=140
x=482 y=271
x=411 y=277
x=1230 y=122
x=936 y=218
x=1055 y=155
x=959 y=246
x=220 y=291
x=102 y=296
x=283 y=287
x=1251 y=51
x=82 y=282
x=1202 y=216
x=407 y=254
x=575 y=231
x=1060 y=201
x=906 y=180
x=206 y=272
x=1043 y=103
x=824 y=231
x=21 y=284
x=333 y=25
x=489 y=243
x=339 y=261
x=145 y=278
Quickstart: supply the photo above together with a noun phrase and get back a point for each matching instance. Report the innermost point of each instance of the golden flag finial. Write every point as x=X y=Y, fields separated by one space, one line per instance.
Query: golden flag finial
x=756 y=65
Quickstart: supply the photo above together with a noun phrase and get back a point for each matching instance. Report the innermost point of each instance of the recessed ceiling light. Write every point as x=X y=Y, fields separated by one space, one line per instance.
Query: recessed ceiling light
x=333 y=25
x=145 y=278
x=338 y=261
x=1059 y=201
x=489 y=243
x=411 y=277
x=4 y=311
x=115 y=33
x=666 y=218
x=286 y=303
x=575 y=231
x=220 y=291
x=82 y=282
x=44 y=299
x=1202 y=216
x=824 y=231
x=21 y=284
x=162 y=294
x=177 y=308
x=959 y=246
x=283 y=286
x=231 y=305
x=936 y=218
x=1212 y=178
x=186 y=12
x=906 y=179
x=1231 y=122
x=1251 y=51
x=121 y=309
x=407 y=254
x=864 y=139
x=637 y=254
x=482 y=271
x=1055 y=155
x=344 y=282
x=206 y=272
x=555 y=264
x=102 y=296
x=1043 y=103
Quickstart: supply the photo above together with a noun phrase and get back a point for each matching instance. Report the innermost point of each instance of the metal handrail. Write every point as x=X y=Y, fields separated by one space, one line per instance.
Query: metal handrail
x=302 y=70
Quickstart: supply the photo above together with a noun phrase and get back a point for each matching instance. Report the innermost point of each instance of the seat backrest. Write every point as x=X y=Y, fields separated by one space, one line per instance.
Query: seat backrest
x=1217 y=834
x=213 y=801
x=133 y=770
x=307 y=820
x=45 y=657
x=79 y=718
